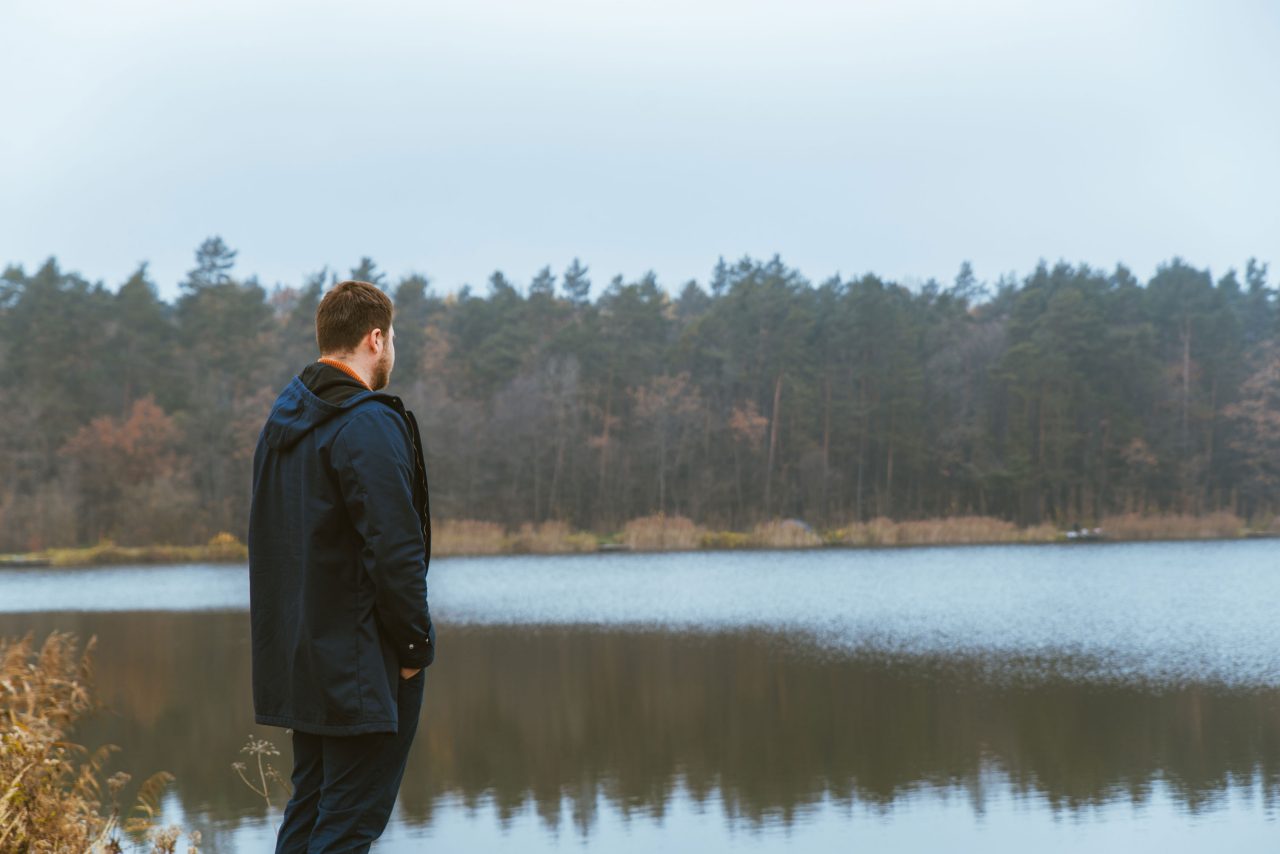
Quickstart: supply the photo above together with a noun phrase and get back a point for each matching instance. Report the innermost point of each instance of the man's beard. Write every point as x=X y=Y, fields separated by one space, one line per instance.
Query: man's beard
x=381 y=373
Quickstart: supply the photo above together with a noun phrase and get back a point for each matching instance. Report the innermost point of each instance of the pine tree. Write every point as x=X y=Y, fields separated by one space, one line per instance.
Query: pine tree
x=214 y=261
x=543 y=284
x=575 y=284
x=367 y=271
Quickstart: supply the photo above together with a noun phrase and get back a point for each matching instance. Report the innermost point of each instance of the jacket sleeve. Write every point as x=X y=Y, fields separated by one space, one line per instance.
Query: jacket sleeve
x=375 y=467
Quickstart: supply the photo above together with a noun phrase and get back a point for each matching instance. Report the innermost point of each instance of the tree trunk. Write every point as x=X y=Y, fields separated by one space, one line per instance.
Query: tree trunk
x=1186 y=374
x=604 y=444
x=775 y=419
x=826 y=451
x=662 y=470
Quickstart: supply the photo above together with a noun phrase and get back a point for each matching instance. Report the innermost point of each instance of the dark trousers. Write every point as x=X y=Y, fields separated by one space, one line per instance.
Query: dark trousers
x=345 y=785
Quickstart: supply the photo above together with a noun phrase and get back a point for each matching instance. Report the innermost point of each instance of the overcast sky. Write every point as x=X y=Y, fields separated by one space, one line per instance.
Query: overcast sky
x=455 y=138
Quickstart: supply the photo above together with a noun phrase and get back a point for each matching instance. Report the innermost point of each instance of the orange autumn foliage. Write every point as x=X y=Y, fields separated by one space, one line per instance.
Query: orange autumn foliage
x=141 y=447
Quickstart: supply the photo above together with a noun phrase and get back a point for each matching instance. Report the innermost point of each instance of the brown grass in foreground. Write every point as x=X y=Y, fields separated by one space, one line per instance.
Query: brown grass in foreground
x=50 y=788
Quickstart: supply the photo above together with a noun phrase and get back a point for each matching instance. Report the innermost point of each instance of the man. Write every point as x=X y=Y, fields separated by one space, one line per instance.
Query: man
x=339 y=542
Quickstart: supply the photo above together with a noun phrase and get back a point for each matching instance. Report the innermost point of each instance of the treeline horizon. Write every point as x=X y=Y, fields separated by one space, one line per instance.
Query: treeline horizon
x=1062 y=396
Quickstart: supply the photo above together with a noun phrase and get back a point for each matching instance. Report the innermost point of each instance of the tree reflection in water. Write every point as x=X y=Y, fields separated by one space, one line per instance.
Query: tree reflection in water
x=769 y=728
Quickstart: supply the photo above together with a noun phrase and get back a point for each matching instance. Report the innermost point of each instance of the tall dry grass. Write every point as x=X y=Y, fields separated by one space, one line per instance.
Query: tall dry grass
x=667 y=533
x=957 y=530
x=661 y=532
x=51 y=789
x=467 y=537
x=723 y=540
x=222 y=547
x=1265 y=524
x=550 y=537
x=1134 y=526
x=783 y=534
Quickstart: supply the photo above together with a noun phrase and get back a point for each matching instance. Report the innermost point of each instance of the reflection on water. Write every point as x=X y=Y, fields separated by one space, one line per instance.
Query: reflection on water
x=583 y=726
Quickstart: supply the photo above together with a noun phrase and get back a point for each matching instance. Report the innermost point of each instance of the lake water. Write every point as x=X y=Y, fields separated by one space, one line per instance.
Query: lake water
x=1039 y=698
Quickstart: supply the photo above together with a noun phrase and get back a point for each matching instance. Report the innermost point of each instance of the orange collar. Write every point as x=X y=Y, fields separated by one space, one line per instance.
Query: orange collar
x=344 y=368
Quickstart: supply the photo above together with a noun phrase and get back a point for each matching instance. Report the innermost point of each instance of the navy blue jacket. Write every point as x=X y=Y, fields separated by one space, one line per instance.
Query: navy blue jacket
x=339 y=542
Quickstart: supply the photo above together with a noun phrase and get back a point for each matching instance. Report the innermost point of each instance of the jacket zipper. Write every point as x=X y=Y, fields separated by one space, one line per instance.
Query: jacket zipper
x=421 y=460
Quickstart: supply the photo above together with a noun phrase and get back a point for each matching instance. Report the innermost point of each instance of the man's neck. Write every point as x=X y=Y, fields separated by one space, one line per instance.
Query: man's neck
x=345 y=368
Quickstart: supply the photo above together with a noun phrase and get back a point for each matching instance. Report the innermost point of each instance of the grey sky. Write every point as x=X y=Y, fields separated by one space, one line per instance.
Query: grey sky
x=455 y=138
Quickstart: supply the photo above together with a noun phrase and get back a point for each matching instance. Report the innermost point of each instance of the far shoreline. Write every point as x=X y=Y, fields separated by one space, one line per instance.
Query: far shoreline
x=661 y=533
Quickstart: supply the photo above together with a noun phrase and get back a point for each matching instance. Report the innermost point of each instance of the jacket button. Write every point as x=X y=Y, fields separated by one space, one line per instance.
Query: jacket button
x=410 y=646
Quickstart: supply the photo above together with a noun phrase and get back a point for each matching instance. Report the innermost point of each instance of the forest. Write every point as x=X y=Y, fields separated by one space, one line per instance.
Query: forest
x=1058 y=396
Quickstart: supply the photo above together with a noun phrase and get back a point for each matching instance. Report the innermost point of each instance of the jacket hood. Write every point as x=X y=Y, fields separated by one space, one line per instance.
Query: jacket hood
x=298 y=411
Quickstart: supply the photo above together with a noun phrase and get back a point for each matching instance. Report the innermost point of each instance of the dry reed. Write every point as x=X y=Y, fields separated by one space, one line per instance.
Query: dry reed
x=466 y=537
x=1265 y=524
x=551 y=537
x=721 y=540
x=1134 y=526
x=661 y=532
x=784 y=534
x=50 y=788
x=667 y=533
x=957 y=530
x=222 y=547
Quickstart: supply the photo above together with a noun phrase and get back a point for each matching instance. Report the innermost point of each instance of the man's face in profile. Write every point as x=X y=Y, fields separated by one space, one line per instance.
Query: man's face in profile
x=382 y=370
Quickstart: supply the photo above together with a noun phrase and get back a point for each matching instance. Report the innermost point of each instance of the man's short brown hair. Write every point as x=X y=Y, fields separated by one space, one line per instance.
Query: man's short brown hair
x=348 y=312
